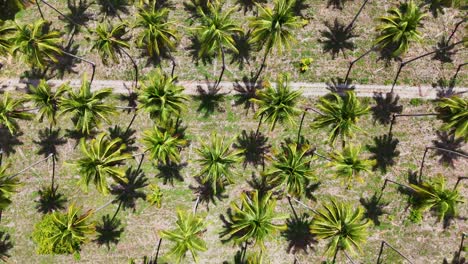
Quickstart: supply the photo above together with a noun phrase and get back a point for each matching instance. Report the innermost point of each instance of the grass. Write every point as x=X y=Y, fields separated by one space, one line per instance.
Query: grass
x=427 y=242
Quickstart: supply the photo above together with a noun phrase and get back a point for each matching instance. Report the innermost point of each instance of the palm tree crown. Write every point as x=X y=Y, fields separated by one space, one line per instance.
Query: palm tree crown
x=186 y=236
x=400 y=28
x=338 y=222
x=38 y=46
x=10 y=112
x=277 y=104
x=341 y=114
x=161 y=97
x=47 y=101
x=110 y=40
x=87 y=108
x=454 y=113
x=8 y=186
x=162 y=145
x=348 y=164
x=101 y=158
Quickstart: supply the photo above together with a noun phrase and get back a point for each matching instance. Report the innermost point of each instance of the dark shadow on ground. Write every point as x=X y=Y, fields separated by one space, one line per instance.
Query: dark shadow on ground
x=48 y=141
x=298 y=234
x=385 y=107
x=384 y=151
x=337 y=38
x=255 y=147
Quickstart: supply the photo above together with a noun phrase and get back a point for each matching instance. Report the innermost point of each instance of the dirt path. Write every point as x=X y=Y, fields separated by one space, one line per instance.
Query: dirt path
x=309 y=89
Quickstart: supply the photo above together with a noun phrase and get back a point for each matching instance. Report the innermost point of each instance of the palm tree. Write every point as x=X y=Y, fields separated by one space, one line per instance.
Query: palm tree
x=345 y=228
x=110 y=42
x=400 y=28
x=186 y=236
x=162 y=145
x=158 y=36
x=8 y=186
x=87 y=108
x=5 y=42
x=100 y=161
x=37 y=45
x=434 y=195
x=341 y=114
x=348 y=164
x=216 y=33
x=161 y=97
x=47 y=101
x=273 y=28
x=277 y=104
x=291 y=169
x=453 y=111
x=217 y=160
x=10 y=112
x=253 y=220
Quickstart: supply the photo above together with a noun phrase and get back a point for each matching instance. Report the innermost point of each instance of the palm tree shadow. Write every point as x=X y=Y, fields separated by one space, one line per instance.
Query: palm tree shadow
x=374 y=208
x=128 y=193
x=339 y=86
x=210 y=99
x=337 y=38
x=50 y=200
x=78 y=13
x=170 y=172
x=113 y=8
x=336 y=4
x=457 y=259
x=255 y=147
x=310 y=189
x=299 y=7
x=384 y=151
x=246 y=91
x=385 y=107
x=191 y=7
x=131 y=99
x=127 y=137
x=5 y=245
x=8 y=142
x=244 y=48
x=262 y=185
x=206 y=193
x=448 y=141
x=194 y=51
x=109 y=231
x=66 y=64
x=298 y=234
x=78 y=135
x=49 y=140
x=444 y=51
x=445 y=88
x=248 y=5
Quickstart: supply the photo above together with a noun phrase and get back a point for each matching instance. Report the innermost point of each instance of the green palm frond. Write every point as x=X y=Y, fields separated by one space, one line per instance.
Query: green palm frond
x=186 y=236
x=162 y=145
x=8 y=186
x=37 y=45
x=161 y=97
x=400 y=28
x=109 y=41
x=6 y=30
x=348 y=164
x=274 y=27
x=434 y=195
x=277 y=104
x=46 y=100
x=340 y=114
x=291 y=169
x=10 y=112
x=217 y=160
x=253 y=219
x=158 y=34
x=101 y=158
x=453 y=112
x=87 y=108
x=343 y=226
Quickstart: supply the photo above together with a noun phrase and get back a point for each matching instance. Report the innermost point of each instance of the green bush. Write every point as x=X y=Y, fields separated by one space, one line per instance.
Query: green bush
x=42 y=234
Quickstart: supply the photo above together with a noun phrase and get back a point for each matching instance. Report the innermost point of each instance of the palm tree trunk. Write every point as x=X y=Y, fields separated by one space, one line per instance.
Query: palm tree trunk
x=32 y=165
x=440 y=149
x=39 y=9
x=258 y=127
x=394 y=182
x=384 y=243
x=53 y=174
x=135 y=67
x=116 y=212
x=243 y=252
x=351 y=64
x=334 y=255
x=300 y=126
x=292 y=208
x=93 y=65
x=157 y=251
x=267 y=51
x=390 y=130
x=60 y=13
x=223 y=68
x=350 y=25
x=1 y=212
x=131 y=121
x=195 y=206
x=174 y=64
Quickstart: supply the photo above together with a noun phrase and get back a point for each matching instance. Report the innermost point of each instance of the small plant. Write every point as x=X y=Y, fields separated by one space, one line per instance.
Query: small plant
x=304 y=64
x=155 y=196
x=416 y=102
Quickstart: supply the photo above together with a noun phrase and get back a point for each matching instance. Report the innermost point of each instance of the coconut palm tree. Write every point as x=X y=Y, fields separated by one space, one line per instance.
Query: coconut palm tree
x=10 y=113
x=47 y=101
x=217 y=160
x=277 y=104
x=161 y=97
x=348 y=164
x=8 y=186
x=434 y=195
x=400 y=28
x=291 y=169
x=63 y=233
x=344 y=227
x=340 y=113
x=87 y=108
x=274 y=28
x=162 y=145
x=216 y=34
x=254 y=219
x=158 y=35
x=186 y=236
x=101 y=158
x=110 y=42
x=453 y=111
x=36 y=44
